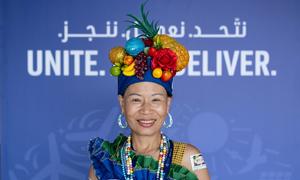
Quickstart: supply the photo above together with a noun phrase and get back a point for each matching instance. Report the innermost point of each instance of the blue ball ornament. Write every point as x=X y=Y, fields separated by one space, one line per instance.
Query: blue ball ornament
x=134 y=46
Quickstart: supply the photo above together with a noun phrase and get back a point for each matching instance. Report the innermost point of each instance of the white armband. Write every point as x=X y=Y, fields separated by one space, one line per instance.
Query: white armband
x=197 y=162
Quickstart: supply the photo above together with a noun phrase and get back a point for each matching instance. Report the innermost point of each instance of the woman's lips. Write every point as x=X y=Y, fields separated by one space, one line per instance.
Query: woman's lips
x=146 y=123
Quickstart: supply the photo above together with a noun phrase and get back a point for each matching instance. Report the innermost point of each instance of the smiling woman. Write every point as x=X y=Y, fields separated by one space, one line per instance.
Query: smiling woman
x=145 y=70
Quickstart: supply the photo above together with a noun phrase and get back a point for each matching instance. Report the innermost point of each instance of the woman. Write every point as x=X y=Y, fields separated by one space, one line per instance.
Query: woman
x=145 y=70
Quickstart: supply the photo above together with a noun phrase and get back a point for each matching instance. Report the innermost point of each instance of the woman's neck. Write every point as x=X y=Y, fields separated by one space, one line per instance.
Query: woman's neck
x=146 y=144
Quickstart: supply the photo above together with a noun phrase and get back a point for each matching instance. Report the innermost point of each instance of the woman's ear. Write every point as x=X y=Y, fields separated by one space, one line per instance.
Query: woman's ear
x=121 y=101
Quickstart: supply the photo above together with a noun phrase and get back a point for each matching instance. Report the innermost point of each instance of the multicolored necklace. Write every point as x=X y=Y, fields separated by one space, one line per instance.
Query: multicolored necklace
x=127 y=167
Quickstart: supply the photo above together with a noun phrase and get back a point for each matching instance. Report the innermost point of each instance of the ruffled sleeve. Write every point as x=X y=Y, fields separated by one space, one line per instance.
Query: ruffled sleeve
x=105 y=159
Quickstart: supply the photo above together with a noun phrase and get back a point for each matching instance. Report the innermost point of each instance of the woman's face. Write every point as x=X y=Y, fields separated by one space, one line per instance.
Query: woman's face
x=145 y=106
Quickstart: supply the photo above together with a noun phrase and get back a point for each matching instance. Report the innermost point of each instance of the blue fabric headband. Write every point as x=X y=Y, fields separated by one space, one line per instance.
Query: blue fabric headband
x=125 y=81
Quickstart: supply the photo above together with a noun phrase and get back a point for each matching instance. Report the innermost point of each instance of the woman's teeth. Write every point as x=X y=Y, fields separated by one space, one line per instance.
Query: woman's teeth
x=146 y=122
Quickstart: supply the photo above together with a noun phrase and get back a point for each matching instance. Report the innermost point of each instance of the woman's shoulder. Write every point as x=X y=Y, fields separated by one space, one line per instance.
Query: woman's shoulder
x=191 y=158
x=183 y=151
x=190 y=151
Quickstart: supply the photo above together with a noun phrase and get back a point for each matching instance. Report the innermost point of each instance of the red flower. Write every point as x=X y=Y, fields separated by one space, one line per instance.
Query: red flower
x=165 y=59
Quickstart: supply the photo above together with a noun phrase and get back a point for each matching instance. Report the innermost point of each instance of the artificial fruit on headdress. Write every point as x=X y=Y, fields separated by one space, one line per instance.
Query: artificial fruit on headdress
x=165 y=54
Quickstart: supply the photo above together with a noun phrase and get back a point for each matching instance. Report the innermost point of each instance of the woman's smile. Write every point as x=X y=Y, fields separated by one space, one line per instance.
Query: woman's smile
x=146 y=123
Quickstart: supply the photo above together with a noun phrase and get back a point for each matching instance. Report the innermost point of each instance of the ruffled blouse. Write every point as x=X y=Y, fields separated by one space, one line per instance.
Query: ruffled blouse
x=106 y=160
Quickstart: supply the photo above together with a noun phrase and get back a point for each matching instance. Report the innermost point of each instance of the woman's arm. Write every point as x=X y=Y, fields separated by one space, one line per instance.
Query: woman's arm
x=190 y=152
x=92 y=173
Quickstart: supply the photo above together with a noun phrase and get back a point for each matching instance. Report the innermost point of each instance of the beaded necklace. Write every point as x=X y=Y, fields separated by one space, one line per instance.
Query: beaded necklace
x=127 y=167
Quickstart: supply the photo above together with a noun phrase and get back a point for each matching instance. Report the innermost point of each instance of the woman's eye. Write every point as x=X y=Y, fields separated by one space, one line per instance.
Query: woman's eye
x=136 y=100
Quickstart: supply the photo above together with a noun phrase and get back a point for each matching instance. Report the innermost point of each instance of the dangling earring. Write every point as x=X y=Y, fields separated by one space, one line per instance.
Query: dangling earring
x=170 y=121
x=120 y=121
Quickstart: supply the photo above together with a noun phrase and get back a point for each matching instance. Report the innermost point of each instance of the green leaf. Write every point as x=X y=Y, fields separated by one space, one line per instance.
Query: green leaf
x=135 y=18
x=149 y=29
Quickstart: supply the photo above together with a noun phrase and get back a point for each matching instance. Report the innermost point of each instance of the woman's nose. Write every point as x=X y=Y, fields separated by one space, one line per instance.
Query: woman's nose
x=146 y=108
